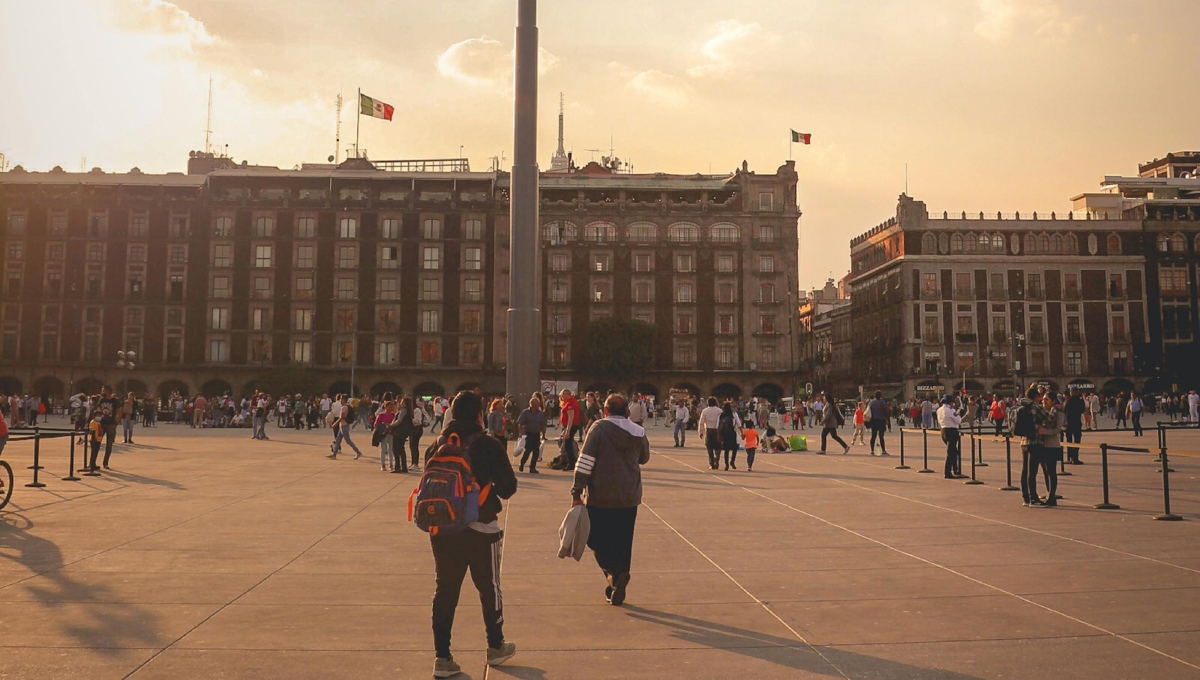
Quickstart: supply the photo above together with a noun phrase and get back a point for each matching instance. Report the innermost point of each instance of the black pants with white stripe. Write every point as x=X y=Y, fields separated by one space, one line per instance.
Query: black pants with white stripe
x=453 y=555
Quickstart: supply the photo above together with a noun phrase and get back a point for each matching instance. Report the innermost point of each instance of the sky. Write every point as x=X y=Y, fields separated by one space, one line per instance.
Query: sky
x=994 y=105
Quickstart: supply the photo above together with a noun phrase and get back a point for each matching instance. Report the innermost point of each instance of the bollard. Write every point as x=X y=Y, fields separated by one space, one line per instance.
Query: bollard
x=71 y=469
x=972 y=481
x=1008 y=464
x=1166 y=516
x=902 y=466
x=925 y=456
x=1104 y=476
x=37 y=454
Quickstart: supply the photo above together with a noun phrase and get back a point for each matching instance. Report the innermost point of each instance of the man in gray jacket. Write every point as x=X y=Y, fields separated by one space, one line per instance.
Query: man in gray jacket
x=609 y=468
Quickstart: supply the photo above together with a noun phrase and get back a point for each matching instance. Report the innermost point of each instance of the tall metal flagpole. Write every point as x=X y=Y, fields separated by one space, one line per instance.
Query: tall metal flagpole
x=524 y=317
x=357 y=121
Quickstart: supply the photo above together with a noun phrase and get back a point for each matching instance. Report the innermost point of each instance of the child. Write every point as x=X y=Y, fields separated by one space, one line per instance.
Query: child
x=750 y=436
x=97 y=432
x=860 y=425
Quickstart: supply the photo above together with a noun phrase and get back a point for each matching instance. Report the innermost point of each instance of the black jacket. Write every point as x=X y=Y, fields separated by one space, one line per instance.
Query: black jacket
x=489 y=464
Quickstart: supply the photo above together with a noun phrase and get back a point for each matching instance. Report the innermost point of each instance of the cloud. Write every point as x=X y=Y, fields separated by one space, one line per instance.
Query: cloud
x=731 y=40
x=1001 y=18
x=662 y=87
x=164 y=20
x=486 y=63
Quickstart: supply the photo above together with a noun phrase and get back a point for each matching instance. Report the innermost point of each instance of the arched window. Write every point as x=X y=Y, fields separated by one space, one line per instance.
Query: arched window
x=969 y=243
x=1072 y=245
x=643 y=232
x=1164 y=243
x=929 y=244
x=1178 y=243
x=956 y=243
x=1056 y=244
x=725 y=232
x=1043 y=244
x=997 y=243
x=1030 y=244
x=600 y=232
x=683 y=232
x=985 y=243
x=1114 y=244
x=559 y=233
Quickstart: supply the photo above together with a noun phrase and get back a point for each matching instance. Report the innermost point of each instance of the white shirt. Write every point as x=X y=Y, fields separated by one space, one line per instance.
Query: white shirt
x=437 y=408
x=948 y=417
x=326 y=404
x=710 y=417
x=682 y=413
x=1193 y=400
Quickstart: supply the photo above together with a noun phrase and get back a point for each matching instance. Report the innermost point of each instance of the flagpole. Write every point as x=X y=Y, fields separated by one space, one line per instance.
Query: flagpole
x=357 y=121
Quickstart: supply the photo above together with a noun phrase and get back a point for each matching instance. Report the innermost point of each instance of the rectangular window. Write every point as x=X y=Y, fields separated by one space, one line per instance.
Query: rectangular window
x=1116 y=285
x=1073 y=329
x=1034 y=286
x=560 y=323
x=429 y=352
x=431 y=290
x=345 y=320
x=260 y=350
x=18 y=220
x=1120 y=361
x=348 y=227
x=387 y=353
x=685 y=293
x=1071 y=283
x=766 y=201
x=174 y=349
x=97 y=225
x=766 y=233
x=726 y=356
x=472 y=353
x=766 y=292
x=643 y=262
x=1118 y=329
x=262 y=256
x=473 y=230
x=558 y=291
x=1037 y=329
x=473 y=290
x=766 y=264
x=264 y=227
x=54 y=282
x=962 y=283
x=601 y=291
x=95 y=253
x=641 y=292
x=259 y=319
x=219 y=319
x=558 y=355
x=222 y=227
x=16 y=251
x=966 y=325
x=174 y=317
x=726 y=324
x=559 y=262
x=472 y=321
x=175 y=288
x=389 y=229
x=602 y=262
x=997 y=283
x=56 y=252
x=306 y=227
x=220 y=287
x=766 y=356
x=139 y=225
x=1074 y=362
x=262 y=287
x=389 y=257
x=302 y=319
x=685 y=263
x=431 y=229
x=725 y=263
x=431 y=321
x=725 y=293
x=177 y=225
x=178 y=254
x=218 y=350
x=999 y=329
x=305 y=257
x=345 y=288
x=50 y=346
x=222 y=255
x=684 y=324
x=347 y=257
x=431 y=258
x=473 y=259
x=685 y=355
x=389 y=289
x=91 y=346
x=767 y=324
x=58 y=224
x=304 y=288
x=302 y=351
x=929 y=284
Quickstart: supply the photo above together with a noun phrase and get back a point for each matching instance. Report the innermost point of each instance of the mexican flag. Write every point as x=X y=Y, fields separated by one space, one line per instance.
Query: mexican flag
x=801 y=137
x=374 y=107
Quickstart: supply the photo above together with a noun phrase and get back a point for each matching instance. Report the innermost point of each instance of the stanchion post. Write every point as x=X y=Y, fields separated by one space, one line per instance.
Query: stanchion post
x=37 y=455
x=979 y=429
x=1008 y=463
x=71 y=468
x=902 y=466
x=972 y=481
x=1166 y=514
x=1104 y=476
x=87 y=454
x=36 y=465
x=1062 y=438
x=925 y=455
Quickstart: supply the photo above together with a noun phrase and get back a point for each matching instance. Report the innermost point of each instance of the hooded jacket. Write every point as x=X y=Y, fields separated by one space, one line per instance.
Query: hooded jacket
x=609 y=466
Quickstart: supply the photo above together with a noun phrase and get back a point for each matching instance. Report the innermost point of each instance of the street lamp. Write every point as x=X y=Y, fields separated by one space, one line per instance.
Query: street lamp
x=125 y=360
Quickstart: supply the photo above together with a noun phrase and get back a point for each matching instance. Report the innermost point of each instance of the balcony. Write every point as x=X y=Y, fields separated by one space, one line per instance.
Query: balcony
x=933 y=338
x=964 y=294
x=995 y=294
x=1074 y=338
x=1035 y=294
x=966 y=337
x=930 y=294
x=1072 y=294
x=1119 y=338
x=1037 y=338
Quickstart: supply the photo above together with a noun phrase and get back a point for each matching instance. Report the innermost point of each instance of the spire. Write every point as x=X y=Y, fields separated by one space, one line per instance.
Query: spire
x=560 y=161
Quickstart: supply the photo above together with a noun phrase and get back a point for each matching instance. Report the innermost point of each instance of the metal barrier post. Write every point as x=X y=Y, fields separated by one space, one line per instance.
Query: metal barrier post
x=1166 y=514
x=71 y=469
x=37 y=454
x=1008 y=464
x=925 y=456
x=972 y=481
x=1062 y=439
x=902 y=466
x=979 y=428
x=1104 y=474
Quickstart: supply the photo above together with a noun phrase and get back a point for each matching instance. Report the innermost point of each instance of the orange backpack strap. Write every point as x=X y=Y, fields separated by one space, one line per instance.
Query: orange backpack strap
x=411 y=498
x=484 y=493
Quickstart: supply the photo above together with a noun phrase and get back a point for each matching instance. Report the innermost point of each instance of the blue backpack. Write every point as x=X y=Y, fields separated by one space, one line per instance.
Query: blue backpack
x=447 y=498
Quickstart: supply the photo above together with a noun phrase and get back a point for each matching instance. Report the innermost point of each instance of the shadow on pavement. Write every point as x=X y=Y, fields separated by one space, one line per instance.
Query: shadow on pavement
x=836 y=662
x=131 y=478
x=107 y=626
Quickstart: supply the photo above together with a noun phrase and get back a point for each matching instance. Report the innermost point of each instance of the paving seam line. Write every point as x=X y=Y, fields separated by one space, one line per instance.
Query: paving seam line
x=500 y=575
x=942 y=566
x=264 y=579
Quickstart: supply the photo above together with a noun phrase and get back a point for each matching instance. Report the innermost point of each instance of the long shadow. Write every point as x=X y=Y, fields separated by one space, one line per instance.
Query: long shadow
x=131 y=478
x=107 y=626
x=788 y=652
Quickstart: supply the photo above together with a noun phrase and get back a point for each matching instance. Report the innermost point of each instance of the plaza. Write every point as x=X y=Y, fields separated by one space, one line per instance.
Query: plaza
x=205 y=554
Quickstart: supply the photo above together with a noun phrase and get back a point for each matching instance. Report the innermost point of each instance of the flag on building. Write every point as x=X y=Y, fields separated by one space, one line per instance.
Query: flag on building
x=801 y=137
x=374 y=108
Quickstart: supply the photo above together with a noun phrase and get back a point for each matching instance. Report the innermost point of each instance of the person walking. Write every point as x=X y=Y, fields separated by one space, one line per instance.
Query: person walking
x=681 y=421
x=710 y=420
x=496 y=422
x=341 y=428
x=477 y=548
x=420 y=421
x=127 y=419
x=950 y=420
x=637 y=411
x=1074 y=410
x=609 y=470
x=998 y=414
x=108 y=412
x=570 y=418
x=831 y=420
x=727 y=428
x=750 y=437
x=926 y=414
x=877 y=408
x=531 y=425
x=860 y=425
x=439 y=413
x=1135 y=414
x=1193 y=404
x=1122 y=411
x=388 y=459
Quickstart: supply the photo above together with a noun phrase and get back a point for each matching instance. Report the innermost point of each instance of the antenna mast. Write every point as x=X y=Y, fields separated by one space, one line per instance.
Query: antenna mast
x=208 y=123
x=337 y=135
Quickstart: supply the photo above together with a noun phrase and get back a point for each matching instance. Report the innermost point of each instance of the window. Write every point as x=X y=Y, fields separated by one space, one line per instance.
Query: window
x=1116 y=285
x=16 y=251
x=175 y=287
x=685 y=262
x=431 y=257
x=726 y=324
x=50 y=346
x=306 y=227
x=725 y=263
x=262 y=287
x=962 y=283
x=1118 y=329
x=97 y=226
x=1173 y=280
x=344 y=320
x=1073 y=329
x=304 y=287
x=602 y=262
x=558 y=355
x=766 y=324
x=1034 y=286
x=137 y=253
x=431 y=229
x=259 y=319
x=473 y=259
x=725 y=293
x=139 y=225
x=302 y=351
x=724 y=232
x=18 y=220
x=222 y=227
x=219 y=319
x=766 y=264
x=600 y=232
x=388 y=289
x=558 y=291
x=1120 y=360
x=726 y=356
x=473 y=321
x=685 y=324
x=1164 y=243
x=178 y=254
x=431 y=290
x=473 y=290
x=472 y=353
x=260 y=350
x=431 y=321
x=305 y=257
x=473 y=230
x=264 y=226
x=956 y=243
x=345 y=288
x=683 y=232
x=262 y=256
x=643 y=262
x=1071 y=284
x=766 y=233
x=765 y=200
x=602 y=291
x=929 y=284
x=222 y=255
x=218 y=350
x=685 y=293
x=766 y=292
x=56 y=252
x=1114 y=244
x=641 y=292
x=348 y=227
x=95 y=253
x=1178 y=243
x=91 y=346
x=429 y=352
x=386 y=354
x=643 y=232
x=1037 y=329
x=54 y=282
x=559 y=233
x=174 y=317
x=347 y=257
x=302 y=319
x=559 y=262
x=766 y=356
x=966 y=324
x=220 y=286
x=174 y=354
x=685 y=355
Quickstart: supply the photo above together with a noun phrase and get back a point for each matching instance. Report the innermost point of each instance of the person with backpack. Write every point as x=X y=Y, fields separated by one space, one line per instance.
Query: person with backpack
x=831 y=420
x=468 y=470
x=1024 y=422
x=609 y=469
x=341 y=428
x=383 y=437
x=727 y=429
x=877 y=409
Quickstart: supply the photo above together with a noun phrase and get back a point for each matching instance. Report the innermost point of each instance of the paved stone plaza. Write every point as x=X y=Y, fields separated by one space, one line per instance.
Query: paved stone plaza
x=208 y=555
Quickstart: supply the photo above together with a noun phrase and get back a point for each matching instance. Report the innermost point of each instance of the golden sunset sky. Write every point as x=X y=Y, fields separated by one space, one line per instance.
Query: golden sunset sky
x=994 y=104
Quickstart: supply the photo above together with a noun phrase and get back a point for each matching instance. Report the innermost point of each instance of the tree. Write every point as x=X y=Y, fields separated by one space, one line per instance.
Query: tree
x=617 y=349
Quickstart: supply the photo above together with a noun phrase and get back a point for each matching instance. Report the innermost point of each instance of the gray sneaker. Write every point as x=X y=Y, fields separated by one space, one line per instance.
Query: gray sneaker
x=445 y=668
x=498 y=655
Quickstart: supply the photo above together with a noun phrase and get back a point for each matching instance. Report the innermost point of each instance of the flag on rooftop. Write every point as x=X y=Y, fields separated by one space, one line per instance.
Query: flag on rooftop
x=801 y=137
x=374 y=108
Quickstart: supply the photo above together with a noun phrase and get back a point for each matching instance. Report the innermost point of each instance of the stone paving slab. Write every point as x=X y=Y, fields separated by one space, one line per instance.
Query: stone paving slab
x=205 y=554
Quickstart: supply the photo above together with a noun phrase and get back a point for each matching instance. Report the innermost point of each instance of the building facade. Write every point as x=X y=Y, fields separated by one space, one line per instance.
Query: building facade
x=395 y=272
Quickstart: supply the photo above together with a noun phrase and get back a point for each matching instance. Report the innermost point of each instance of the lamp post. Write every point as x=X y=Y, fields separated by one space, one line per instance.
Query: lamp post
x=125 y=360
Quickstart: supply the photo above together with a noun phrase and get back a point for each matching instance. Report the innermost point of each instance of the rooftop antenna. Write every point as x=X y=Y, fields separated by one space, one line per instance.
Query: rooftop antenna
x=906 y=179
x=561 y=151
x=337 y=135
x=594 y=152
x=208 y=122
x=83 y=164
